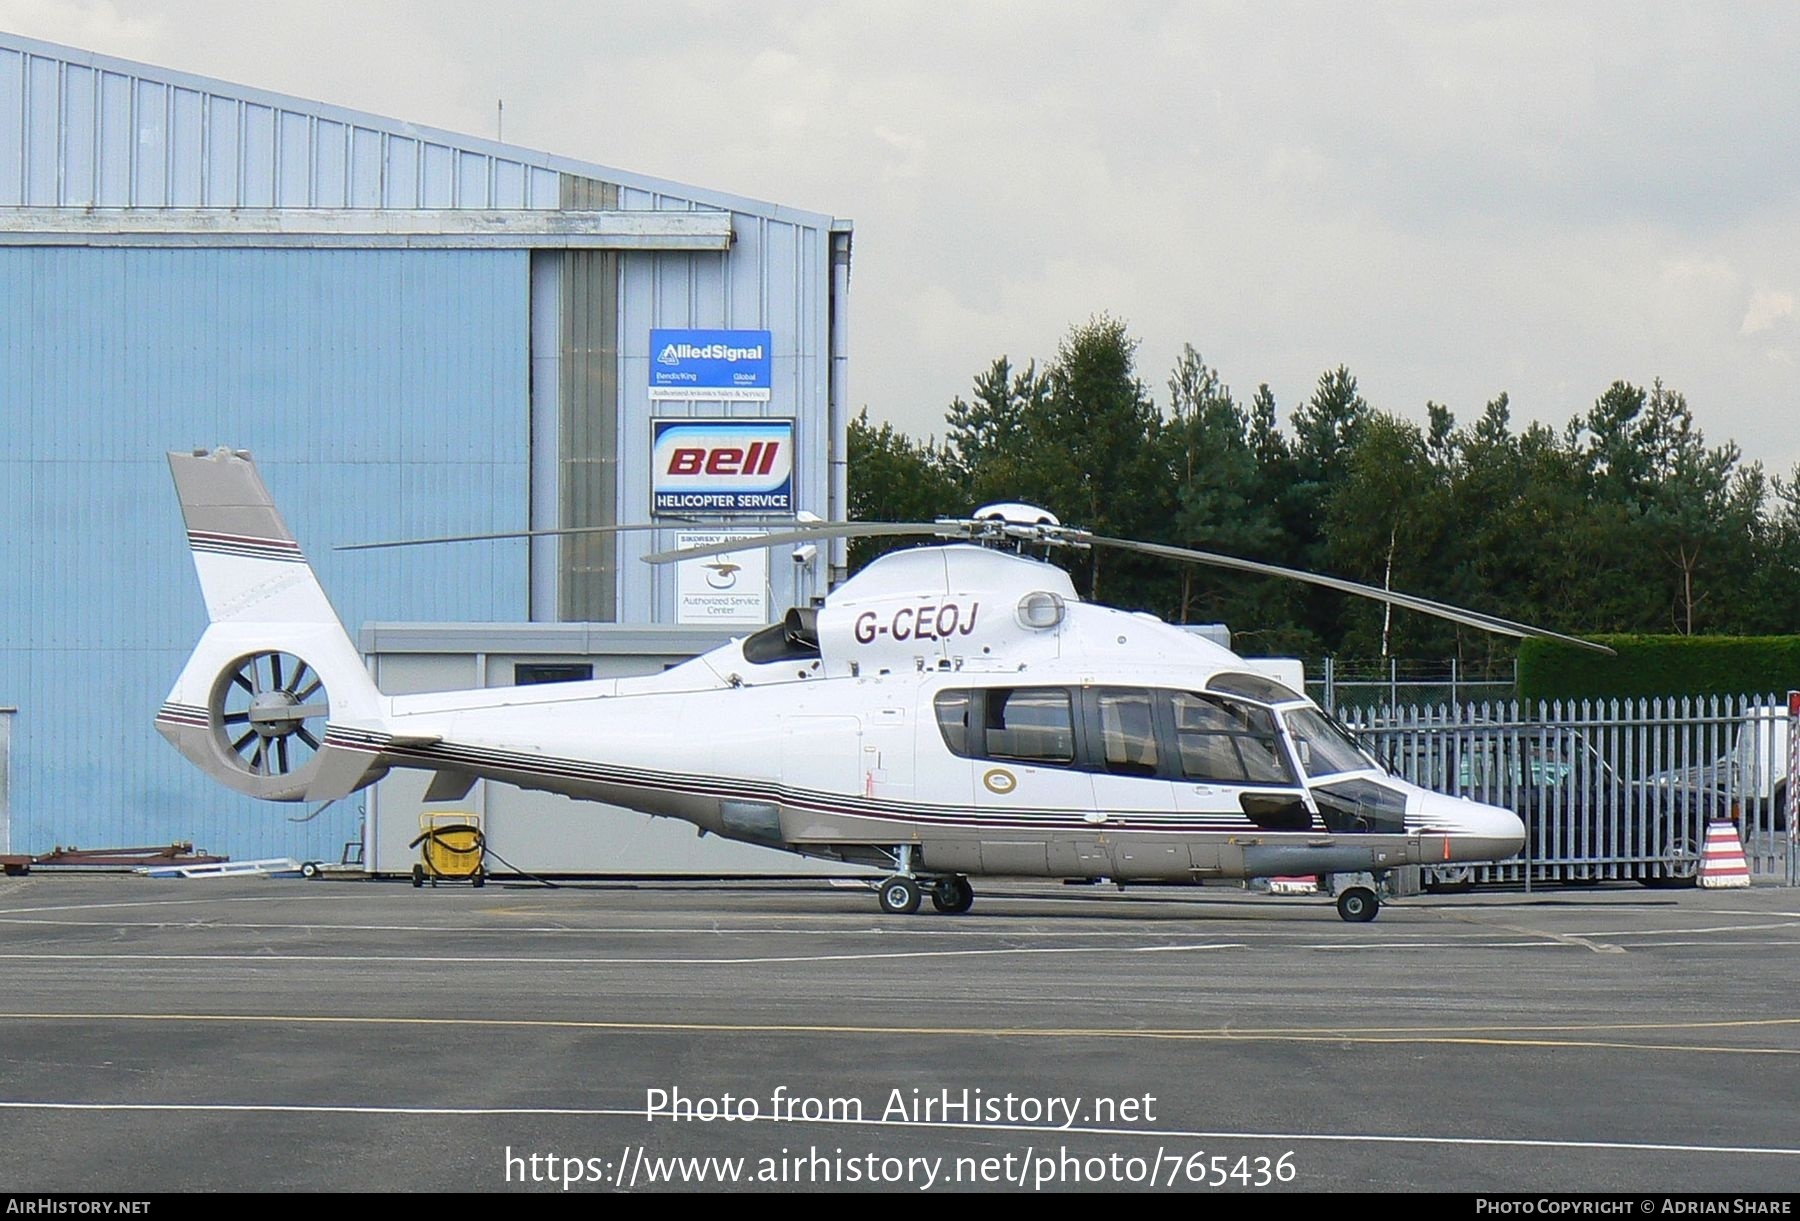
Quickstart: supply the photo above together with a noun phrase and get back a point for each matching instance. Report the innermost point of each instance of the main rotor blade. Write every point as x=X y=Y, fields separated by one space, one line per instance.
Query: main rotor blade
x=840 y=529
x=679 y=524
x=1425 y=606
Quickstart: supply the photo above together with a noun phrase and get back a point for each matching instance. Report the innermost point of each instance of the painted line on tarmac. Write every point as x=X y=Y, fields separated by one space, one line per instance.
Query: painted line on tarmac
x=1005 y=930
x=1000 y=930
x=1473 y=1036
x=1354 y=1138
x=769 y=960
x=1694 y=932
x=83 y=907
x=1764 y=943
x=1569 y=939
x=1474 y=942
x=865 y=956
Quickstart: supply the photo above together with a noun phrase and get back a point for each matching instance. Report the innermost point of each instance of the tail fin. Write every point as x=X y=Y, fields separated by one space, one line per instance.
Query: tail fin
x=275 y=685
x=249 y=564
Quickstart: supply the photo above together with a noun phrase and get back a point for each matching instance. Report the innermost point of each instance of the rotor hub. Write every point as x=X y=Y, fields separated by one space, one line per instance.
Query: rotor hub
x=271 y=714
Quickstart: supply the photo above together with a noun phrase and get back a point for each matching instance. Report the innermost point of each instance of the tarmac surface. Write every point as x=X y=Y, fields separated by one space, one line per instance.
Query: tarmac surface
x=339 y=1035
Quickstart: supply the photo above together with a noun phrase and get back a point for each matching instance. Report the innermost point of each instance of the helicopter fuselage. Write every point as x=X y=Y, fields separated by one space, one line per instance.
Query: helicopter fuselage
x=950 y=711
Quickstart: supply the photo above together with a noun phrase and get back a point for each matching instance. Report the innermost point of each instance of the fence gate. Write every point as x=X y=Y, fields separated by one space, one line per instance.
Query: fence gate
x=1608 y=790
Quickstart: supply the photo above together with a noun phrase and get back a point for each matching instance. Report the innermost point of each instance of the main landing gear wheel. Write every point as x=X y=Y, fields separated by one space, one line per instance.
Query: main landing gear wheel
x=953 y=896
x=1358 y=905
x=899 y=896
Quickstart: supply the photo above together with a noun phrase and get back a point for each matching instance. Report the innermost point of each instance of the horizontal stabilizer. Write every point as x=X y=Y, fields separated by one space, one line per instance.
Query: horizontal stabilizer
x=415 y=740
x=449 y=786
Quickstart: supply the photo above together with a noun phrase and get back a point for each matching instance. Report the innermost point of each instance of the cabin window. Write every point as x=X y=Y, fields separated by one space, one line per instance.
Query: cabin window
x=1228 y=742
x=1127 y=732
x=1253 y=686
x=1030 y=724
x=953 y=720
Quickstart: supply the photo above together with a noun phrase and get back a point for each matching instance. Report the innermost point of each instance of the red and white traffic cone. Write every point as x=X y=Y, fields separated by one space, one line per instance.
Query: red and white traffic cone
x=1722 y=863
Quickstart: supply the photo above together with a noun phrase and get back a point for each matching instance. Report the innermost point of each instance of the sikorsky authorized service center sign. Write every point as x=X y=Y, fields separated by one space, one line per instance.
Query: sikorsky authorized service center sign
x=730 y=588
x=722 y=466
x=717 y=366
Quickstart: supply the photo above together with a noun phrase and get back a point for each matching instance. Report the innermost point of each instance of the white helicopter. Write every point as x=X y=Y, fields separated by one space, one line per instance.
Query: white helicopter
x=954 y=710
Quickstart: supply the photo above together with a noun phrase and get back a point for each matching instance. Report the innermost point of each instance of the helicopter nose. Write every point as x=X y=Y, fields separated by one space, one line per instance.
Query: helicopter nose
x=1478 y=832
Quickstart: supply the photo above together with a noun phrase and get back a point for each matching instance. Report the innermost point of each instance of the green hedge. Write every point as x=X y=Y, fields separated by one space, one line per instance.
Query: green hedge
x=1659 y=666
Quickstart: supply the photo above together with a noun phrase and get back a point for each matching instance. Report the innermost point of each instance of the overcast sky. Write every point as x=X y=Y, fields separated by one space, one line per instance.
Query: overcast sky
x=1451 y=199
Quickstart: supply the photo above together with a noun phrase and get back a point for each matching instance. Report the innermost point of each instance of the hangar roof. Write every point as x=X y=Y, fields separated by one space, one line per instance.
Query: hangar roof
x=68 y=119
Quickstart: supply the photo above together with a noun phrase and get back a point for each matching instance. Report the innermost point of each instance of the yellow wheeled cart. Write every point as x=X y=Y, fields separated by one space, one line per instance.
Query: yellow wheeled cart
x=451 y=848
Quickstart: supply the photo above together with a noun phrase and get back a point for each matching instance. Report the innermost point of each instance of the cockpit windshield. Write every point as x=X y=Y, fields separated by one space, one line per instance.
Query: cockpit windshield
x=1324 y=748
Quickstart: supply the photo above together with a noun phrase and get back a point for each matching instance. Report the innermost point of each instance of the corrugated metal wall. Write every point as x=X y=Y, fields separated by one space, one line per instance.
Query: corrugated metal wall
x=383 y=393
x=588 y=462
x=103 y=134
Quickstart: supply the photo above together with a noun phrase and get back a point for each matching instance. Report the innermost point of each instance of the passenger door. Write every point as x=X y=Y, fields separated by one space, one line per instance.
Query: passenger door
x=944 y=773
x=1134 y=797
x=1025 y=752
x=1230 y=765
x=1027 y=781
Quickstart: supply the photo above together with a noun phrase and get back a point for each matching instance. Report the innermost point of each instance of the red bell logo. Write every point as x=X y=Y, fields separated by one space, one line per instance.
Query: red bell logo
x=757 y=459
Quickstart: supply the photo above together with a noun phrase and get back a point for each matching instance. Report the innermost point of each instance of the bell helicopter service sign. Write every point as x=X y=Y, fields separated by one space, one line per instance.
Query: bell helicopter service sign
x=730 y=588
x=722 y=466
x=719 y=366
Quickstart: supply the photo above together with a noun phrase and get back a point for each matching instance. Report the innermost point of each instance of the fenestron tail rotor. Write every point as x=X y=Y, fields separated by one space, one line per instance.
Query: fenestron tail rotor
x=269 y=711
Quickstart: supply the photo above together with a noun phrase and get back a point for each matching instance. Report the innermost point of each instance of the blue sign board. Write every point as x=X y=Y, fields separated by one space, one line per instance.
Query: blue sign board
x=728 y=366
x=722 y=466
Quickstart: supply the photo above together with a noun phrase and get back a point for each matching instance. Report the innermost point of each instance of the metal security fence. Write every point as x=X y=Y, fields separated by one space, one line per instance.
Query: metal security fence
x=1350 y=682
x=1608 y=790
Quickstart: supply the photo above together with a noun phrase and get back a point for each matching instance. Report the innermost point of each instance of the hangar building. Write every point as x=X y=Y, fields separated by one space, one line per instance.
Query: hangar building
x=416 y=333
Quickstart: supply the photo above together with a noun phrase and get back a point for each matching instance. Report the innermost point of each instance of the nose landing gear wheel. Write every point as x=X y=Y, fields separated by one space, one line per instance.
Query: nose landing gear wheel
x=953 y=896
x=1358 y=905
x=899 y=896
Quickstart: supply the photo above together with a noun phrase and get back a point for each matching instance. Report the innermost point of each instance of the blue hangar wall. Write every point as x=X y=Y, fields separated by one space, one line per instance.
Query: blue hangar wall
x=381 y=392
x=415 y=332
